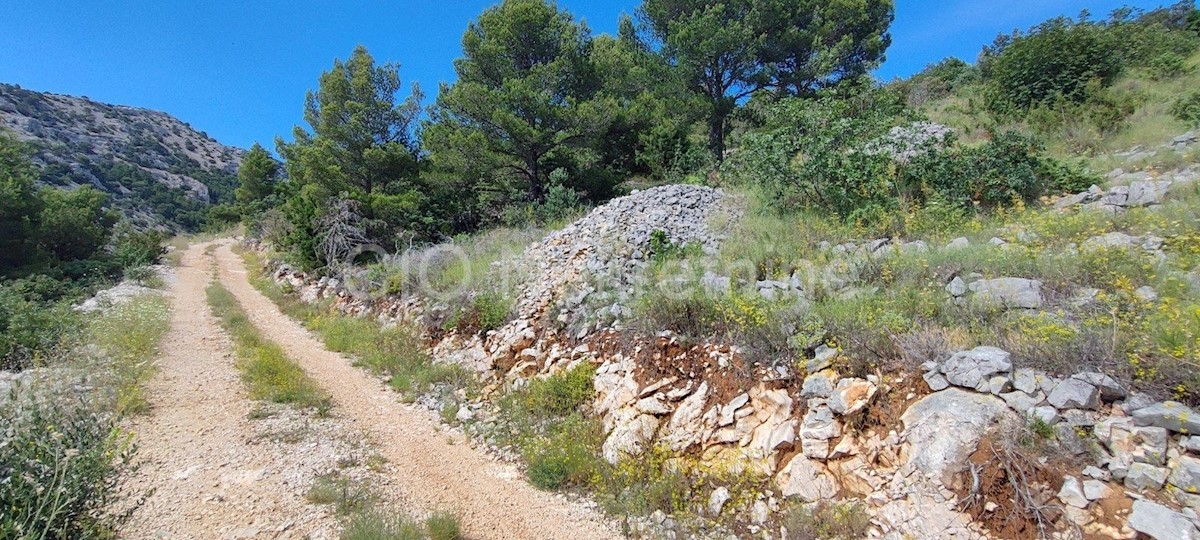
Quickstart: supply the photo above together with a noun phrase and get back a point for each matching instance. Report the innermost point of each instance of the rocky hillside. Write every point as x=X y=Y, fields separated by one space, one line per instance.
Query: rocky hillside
x=158 y=169
x=979 y=441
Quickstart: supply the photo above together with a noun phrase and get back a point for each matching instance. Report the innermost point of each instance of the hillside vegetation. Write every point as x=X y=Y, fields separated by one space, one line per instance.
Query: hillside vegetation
x=157 y=170
x=874 y=255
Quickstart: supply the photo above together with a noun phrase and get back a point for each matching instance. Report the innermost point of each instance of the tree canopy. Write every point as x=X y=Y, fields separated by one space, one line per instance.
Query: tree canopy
x=731 y=49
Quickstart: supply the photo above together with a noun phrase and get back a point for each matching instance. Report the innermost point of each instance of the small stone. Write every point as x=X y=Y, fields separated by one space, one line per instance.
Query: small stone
x=1072 y=493
x=1048 y=415
x=1191 y=444
x=1096 y=490
x=716 y=502
x=1110 y=389
x=936 y=381
x=958 y=243
x=819 y=385
x=957 y=287
x=1025 y=380
x=999 y=384
x=1146 y=293
x=851 y=396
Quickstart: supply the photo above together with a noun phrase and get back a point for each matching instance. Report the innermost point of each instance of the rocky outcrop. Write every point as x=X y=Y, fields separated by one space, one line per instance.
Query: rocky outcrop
x=173 y=155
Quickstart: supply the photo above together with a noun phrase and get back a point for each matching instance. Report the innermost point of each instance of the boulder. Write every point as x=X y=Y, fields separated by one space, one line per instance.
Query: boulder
x=1159 y=522
x=819 y=424
x=1147 y=192
x=1009 y=292
x=818 y=385
x=716 y=501
x=630 y=436
x=1110 y=389
x=957 y=287
x=806 y=480
x=1171 y=415
x=1074 y=394
x=958 y=243
x=684 y=429
x=1095 y=490
x=1143 y=476
x=942 y=429
x=974 y=368
x=1185 y=474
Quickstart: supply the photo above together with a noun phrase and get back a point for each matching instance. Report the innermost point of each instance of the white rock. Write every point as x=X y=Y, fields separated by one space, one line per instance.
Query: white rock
x=1096 y=490
x=716 y=502
x=1072 y=493
x=806 y=480
x=1159 y=522
x=942 y=429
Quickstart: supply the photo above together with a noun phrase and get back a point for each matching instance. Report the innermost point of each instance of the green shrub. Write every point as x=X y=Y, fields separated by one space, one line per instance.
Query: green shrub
x=132 y=248
x=485 y=311
x=380 y=526
x=1187 y=108
x=59 y=464
x=443 y=526
x=1059 y=57
x=31 y=329
x=566 y=456
x=347 y=496
x=1167 y=66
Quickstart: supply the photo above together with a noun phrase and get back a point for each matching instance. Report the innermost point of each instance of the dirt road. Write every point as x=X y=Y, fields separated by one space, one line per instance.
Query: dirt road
x=199 y=448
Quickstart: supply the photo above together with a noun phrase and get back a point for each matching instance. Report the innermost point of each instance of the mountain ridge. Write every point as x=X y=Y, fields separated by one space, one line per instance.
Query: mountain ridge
x=159 y=170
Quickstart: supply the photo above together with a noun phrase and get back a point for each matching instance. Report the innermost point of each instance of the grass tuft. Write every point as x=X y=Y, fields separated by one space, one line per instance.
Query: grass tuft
x=267 y=371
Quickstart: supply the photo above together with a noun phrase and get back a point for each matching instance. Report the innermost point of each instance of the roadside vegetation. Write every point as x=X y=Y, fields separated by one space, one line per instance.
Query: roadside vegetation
x=827 y=162
x=62 y=450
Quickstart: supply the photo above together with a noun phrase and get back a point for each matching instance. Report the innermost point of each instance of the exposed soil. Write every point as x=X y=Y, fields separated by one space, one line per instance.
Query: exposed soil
x=214 y=472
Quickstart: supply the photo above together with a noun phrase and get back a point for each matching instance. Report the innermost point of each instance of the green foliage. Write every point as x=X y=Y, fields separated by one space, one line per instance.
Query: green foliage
x=566 y=456
x=527 y=102
x=561 y=203
x=381 y=526
x=360 y=148
x=824 y=520
x=443 y=526
x=31 y=327
x=75 y=224
x=485 y=311
x=268 y=372
x=730 y=50
x=1187 y=108
x=256 y=179
x=60 y=461
x=20 y=208
x=1058 y=57
x=346 y=495
x=133 y=248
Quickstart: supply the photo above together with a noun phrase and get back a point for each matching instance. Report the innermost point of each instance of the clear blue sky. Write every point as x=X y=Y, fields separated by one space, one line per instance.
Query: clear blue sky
x=239 y=69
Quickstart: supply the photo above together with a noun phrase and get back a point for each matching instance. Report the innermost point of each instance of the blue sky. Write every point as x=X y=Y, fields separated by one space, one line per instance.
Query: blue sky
x=239 y=69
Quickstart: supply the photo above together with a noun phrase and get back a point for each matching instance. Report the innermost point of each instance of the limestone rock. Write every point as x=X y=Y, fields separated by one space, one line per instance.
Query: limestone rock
x=716 y=502
x=973 y=368
x=851 y=396
x=1074 y=394
x=1143 y=476
x=1009 y=292
x=1072 y=493
x=1095 y=490
x=942 y=429
x=806 y=480
x=1110 y=389
x=818 y=385
x=1159 y=522
x=1171 y=415
x=1185 y=474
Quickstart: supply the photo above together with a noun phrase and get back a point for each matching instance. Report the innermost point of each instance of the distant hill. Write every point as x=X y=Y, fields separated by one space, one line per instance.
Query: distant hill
x=158 y=169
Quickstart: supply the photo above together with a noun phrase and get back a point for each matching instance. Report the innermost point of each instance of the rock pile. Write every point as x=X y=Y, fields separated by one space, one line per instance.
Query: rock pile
x=1132 y=190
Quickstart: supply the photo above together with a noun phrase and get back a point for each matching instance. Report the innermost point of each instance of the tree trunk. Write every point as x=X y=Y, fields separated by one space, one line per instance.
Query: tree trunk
x=716 y=135
x=537 y=191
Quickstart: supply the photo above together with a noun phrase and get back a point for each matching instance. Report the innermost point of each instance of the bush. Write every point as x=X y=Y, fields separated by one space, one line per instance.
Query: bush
x=59 y=464
x=132 y=248
x=1167 y=66
x=485 y=311
x=1056 y=58
x=31 y=327
x=1187 y=108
